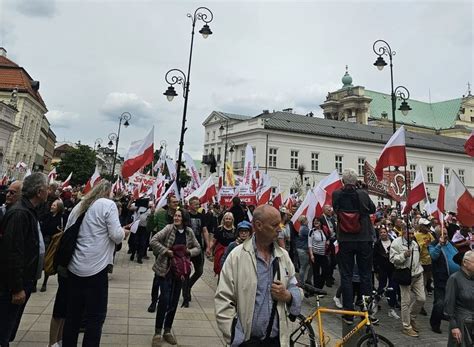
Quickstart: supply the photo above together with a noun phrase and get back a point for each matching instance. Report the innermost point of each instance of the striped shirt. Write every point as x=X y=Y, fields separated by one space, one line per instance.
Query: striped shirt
x=317 y=241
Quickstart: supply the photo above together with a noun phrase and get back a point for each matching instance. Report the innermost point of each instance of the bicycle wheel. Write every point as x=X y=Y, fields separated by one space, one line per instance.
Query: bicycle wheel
x=302 y=333
x=374 y=340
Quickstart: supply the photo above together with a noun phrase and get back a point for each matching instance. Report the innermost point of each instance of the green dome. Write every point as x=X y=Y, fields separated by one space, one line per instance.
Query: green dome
x=346 y=79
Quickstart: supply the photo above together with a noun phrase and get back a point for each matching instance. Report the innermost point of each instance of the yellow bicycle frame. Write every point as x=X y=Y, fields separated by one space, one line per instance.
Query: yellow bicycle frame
x=320 y=310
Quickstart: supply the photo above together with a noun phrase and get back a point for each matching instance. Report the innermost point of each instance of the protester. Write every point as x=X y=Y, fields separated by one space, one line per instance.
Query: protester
x=244 y=230
x=223 y=236
x=237 y=211
x=141 y=210
x=329 y=225
x=258 y=268
x=303 y=249
x=405 y=254
x=166 y=244
x=318 y=244
x=459 y=302
x=424 y=239
x=442 y=254
x=13 y=194
x=356 y=242
x=198 y=224
x=87 y=282
x=21 y=246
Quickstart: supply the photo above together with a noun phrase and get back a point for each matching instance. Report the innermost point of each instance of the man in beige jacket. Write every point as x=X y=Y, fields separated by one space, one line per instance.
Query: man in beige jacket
x=257 y=275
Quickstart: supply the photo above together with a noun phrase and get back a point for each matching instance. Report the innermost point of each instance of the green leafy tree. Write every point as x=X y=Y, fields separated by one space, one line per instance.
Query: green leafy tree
x=80 y=161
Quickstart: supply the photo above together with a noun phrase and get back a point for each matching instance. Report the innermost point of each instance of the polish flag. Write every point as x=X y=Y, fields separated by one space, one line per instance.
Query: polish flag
x=171 y=168
x=278 y=199
x=459 y=200
x=52 y=175
x=173 y=190
x=417 y=192
x=469 y=145
x=205 y=192
x=139 y=154
x=441 y=198
x=393 y=154
x=307 y=208
x=117 y=186
x=192 y=170
x=95 y=178
x=321 y=198
x=265 y=196
x=330 y=183
x=289 y=202
x=67 y=181
x=248 y=167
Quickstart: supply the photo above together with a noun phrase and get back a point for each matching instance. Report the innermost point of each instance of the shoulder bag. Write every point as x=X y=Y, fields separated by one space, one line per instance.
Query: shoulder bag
x=403 y=276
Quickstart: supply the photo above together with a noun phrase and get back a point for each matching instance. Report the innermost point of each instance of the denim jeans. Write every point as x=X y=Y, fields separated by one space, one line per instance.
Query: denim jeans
x=384 y=277
x=361 y=251
x=198 y=264
x=10 y=314
x=170 y=289
x=87 y=296
x=304 y=264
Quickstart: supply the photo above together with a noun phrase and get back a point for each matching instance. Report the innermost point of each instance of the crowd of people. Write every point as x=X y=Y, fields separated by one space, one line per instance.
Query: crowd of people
x=261 y=259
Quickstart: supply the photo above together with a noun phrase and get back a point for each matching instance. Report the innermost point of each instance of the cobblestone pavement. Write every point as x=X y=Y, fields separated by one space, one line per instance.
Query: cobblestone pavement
x=129 y=324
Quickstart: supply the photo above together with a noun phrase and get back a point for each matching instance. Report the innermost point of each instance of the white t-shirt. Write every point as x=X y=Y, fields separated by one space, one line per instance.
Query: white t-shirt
x=99 y=232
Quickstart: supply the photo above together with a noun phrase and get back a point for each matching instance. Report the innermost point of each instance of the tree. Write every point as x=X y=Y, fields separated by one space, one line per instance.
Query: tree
x=80 y=161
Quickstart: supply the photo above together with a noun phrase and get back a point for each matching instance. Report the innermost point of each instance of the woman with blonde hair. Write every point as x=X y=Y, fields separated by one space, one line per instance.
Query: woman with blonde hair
x=223 y=236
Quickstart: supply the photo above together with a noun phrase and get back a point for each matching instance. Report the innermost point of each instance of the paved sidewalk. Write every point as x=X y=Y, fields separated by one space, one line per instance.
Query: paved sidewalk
x=128 y=323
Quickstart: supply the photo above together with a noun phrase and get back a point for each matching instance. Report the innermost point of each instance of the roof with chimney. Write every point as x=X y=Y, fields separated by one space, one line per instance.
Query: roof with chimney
x=14 y=76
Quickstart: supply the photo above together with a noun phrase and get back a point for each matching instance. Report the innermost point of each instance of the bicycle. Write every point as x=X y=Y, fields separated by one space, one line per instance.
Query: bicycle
x=304 y=333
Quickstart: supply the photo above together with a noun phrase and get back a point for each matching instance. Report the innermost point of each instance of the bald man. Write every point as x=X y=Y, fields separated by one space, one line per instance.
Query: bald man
x=256 y=283
x=13 y=195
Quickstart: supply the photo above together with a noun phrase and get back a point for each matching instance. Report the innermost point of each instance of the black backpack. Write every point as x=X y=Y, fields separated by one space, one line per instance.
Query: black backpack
x=67 y=246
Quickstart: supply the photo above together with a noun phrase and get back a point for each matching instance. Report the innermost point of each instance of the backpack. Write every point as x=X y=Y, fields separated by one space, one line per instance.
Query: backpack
x=349 y=221
x=180 y=265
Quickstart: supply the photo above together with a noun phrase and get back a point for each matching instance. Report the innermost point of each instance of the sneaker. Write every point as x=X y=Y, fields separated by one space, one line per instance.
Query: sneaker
x=157 y=341
x=170 y=338
x=152 y=307
x=374 y=320
x=347 y=320
x=410 y=332
x=337 y=301
x=414 y=325
x=43 y=288
x=436 y=330
x=139 y=261
x=393 y=314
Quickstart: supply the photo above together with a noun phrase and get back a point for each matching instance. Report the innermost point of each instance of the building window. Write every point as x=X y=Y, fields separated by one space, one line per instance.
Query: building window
x=412 y=172
x=338 y=163
x=446 y=176
x=218 y=154
x=272 y=157
x=314 y=162
x=361 y=162
x=25 y=125
x=207 y=136
x=429 y=173
x=293 y=190
x=254 y=150
x=213 y=135
x=294 y=160
x=242 y=160
x=461 y=175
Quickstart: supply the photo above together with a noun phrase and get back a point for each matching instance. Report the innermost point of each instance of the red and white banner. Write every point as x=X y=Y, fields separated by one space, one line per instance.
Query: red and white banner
x=460 y=201
x=192 y=170
x=225 y=196
x=248 y=166
x=67 y=181
x=246 y=194
x=393 y=154
x=52 y=175
x=330 y=183
x=278 y=198
x=173 y=190
x=205 y=192
x=418 y=191
x=95 y=178
x=469 y=145
x=139 y=154
x=266 y=194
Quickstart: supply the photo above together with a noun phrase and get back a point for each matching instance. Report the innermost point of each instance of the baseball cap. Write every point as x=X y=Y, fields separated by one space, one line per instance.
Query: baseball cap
x=244 y=225
x=423 y=221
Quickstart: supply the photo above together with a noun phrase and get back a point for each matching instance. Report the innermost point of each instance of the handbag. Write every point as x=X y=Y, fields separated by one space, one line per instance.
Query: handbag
x=267 y=341
x=403 y=276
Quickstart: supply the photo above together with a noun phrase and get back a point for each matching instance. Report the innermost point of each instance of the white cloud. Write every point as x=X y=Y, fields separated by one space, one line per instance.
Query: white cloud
x=62 y=119
x=36 y=8
x=118 y=102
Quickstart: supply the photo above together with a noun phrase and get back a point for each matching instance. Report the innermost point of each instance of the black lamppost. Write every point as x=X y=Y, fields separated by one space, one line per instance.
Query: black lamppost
x=176 y=76
x=221 y=128
x=382 y=48
x=97 y=144
x=115 y=137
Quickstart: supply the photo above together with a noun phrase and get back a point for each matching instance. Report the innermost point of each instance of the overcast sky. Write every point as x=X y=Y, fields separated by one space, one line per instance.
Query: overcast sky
x=97 y=59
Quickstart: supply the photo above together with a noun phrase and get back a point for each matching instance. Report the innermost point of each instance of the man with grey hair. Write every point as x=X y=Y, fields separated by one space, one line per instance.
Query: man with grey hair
x=355 y=231
x=20 y=245
x=13 y=195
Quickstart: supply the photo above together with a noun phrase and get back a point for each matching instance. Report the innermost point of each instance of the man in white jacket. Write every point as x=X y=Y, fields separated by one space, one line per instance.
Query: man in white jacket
x=256 y=275
x=403 y=257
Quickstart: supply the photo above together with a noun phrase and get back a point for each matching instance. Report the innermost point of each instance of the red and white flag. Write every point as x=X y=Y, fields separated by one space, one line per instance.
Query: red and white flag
x=21 y=166
x=469 y=145
x=307 y=208
x=67 y=181
x=95 y=178
x=192 y=171
x=393 y=154
x=278 y=199
x=170 y=164
x=52 y=175
x=205 y=192
x=173 y=190
x=248 y=166
x=417 y=192
x=139 y=154
x=441 y=198
x=265 y=196
x=330 y=183
x=460 y=201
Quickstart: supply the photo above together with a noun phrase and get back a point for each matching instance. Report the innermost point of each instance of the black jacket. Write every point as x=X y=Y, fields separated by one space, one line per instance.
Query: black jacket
x=381 y=258
x=19 y=246
x=347 y=199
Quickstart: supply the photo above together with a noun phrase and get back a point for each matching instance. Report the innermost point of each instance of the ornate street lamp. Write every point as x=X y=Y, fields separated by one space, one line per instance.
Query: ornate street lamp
x=382 y=48
x=115 y=137
x=97 y=143
x=176 y=76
